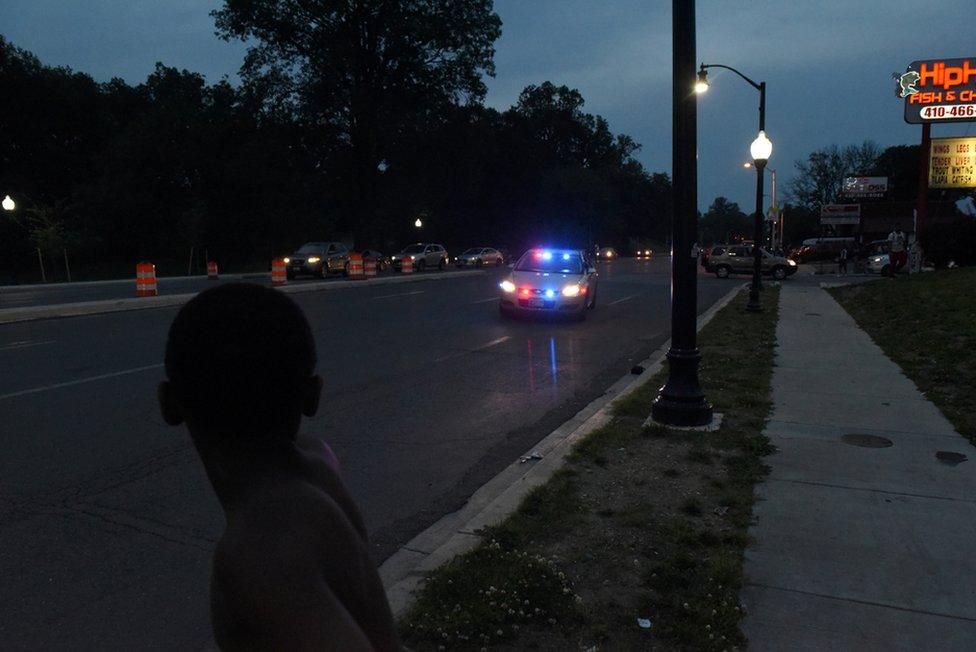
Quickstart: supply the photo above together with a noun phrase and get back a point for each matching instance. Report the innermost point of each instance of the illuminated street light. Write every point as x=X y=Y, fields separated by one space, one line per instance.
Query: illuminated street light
x=8 y=203
x=702 y=84
x=761 y=150
x=418 y=223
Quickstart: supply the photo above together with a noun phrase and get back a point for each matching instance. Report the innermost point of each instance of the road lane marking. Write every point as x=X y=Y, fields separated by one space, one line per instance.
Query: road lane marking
x=477 y=349
x=475 y=303
x=24 y=345
x=492 y=343
x=80 y=381
x=613 y=303
x=401 y=294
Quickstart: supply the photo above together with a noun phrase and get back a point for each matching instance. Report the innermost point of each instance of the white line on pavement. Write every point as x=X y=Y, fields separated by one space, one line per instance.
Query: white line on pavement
x=613 y=303
x=24 y=345
x=80 y=381
x=492 y=343
x=474 y=303
x=477 y=349
x=400 y=294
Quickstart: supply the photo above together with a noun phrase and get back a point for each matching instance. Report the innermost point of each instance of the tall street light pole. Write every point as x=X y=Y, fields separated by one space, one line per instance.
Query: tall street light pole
x=763 y=148
x=760 y=149
x=681 y=402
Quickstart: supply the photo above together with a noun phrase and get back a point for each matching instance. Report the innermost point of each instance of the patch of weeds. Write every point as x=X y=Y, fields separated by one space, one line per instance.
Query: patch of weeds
x=692 y=506
x=636 y=515
x=599 y=442
x=696 y=599
x=487 y=596
x=547 y=512
x=600 y=460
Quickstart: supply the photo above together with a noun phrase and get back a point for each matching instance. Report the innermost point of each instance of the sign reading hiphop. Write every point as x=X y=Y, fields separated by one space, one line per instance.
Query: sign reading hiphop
x=938 y=90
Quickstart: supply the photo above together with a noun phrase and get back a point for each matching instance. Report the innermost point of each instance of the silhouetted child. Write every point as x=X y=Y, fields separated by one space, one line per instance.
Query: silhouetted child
x=292 y=569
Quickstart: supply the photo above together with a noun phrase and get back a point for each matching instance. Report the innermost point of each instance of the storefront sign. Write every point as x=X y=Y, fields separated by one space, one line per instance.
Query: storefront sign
x=938 y=90
x=952 y=163
x=865 y=186
x=840 y=214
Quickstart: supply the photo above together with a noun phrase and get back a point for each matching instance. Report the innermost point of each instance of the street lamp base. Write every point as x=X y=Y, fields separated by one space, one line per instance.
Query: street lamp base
x=681 y=401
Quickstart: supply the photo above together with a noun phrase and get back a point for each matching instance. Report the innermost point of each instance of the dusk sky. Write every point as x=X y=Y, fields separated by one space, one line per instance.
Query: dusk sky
x=827 y=65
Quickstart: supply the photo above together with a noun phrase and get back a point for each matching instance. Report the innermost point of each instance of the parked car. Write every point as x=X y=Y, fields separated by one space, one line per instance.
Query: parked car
x=875 y=255
x=423 y=255
x=479 y=256
x=318 y=259
x=382 y=260
x=549 y=281
x=725 y=260
x=645 y=254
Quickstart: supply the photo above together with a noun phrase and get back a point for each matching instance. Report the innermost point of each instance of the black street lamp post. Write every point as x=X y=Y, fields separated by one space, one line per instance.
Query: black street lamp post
x=761 y=149
x=681 y=402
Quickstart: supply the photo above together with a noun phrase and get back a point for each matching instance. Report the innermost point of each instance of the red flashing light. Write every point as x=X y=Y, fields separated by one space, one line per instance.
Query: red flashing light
x=524 y=292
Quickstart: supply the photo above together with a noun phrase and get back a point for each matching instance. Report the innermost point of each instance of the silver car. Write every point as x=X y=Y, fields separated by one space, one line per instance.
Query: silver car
x=479 y=257
x=549 y=281
x=318 y=259
x=422 y=256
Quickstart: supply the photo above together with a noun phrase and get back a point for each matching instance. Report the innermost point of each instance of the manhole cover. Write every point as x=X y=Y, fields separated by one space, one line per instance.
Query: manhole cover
x=866 y=441
x=813 y=314
x=950 y=458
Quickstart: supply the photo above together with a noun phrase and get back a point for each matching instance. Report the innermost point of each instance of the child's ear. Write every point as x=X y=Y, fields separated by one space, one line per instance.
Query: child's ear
x=168 y=405
x=313 y=391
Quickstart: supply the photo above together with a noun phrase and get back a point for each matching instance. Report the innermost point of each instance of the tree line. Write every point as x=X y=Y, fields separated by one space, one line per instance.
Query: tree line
x=351 y=120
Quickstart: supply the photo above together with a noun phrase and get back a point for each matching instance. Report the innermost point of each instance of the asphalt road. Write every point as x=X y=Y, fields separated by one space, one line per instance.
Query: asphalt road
x=107 y=522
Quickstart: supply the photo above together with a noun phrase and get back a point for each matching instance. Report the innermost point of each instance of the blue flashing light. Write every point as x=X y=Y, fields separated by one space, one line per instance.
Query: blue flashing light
x=550 y=294
x=565 y=256
x=546 y=255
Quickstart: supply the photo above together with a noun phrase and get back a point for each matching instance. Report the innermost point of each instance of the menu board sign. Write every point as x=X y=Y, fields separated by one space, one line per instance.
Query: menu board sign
x=952 y=163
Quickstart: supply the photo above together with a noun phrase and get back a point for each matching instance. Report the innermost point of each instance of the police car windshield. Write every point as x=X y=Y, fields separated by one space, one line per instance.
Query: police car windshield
x=414 y=249
x=555 y=262
x=312 y=248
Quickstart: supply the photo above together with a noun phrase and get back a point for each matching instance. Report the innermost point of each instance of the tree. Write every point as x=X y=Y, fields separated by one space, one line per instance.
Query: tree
x=820 y=178
x=366 y=71
x=724 y=222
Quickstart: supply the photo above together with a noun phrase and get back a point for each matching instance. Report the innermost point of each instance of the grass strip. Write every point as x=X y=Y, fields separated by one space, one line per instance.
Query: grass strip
x=927 y=325
x=642 y=525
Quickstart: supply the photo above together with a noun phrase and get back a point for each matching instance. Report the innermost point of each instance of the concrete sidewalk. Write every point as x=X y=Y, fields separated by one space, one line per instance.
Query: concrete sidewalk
x=863 y=536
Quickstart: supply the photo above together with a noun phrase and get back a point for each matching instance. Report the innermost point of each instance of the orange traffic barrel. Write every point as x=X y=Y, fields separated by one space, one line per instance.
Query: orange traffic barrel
x=212 y=270
x=356 y=272
x=278 y=274
x=145 y=280
x=369 y=267
x=406 y=265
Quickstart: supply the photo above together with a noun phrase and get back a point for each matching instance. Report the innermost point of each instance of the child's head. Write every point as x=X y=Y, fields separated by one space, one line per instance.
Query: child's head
x=240 y=359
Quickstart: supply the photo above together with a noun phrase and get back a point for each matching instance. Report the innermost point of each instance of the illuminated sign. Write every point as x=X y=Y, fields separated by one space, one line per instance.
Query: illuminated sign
x=938 y=90
x=838 y=214
x=865 y=186
x=952 y=163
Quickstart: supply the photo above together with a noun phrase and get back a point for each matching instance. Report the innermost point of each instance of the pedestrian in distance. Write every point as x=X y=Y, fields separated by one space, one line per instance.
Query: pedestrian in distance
x=842 y=262
x=292 y=570
x=897 y=254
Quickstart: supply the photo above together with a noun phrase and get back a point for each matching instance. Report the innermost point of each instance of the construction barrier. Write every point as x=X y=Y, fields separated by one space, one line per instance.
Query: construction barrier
x=278 y=274
x=406 y=266
x=145 y=280
x=356 y=271
x=369 y=267
x=212 y=270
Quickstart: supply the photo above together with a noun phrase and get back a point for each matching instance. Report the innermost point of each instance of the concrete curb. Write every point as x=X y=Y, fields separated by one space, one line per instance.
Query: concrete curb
x=34 y=313
x=459 y=532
